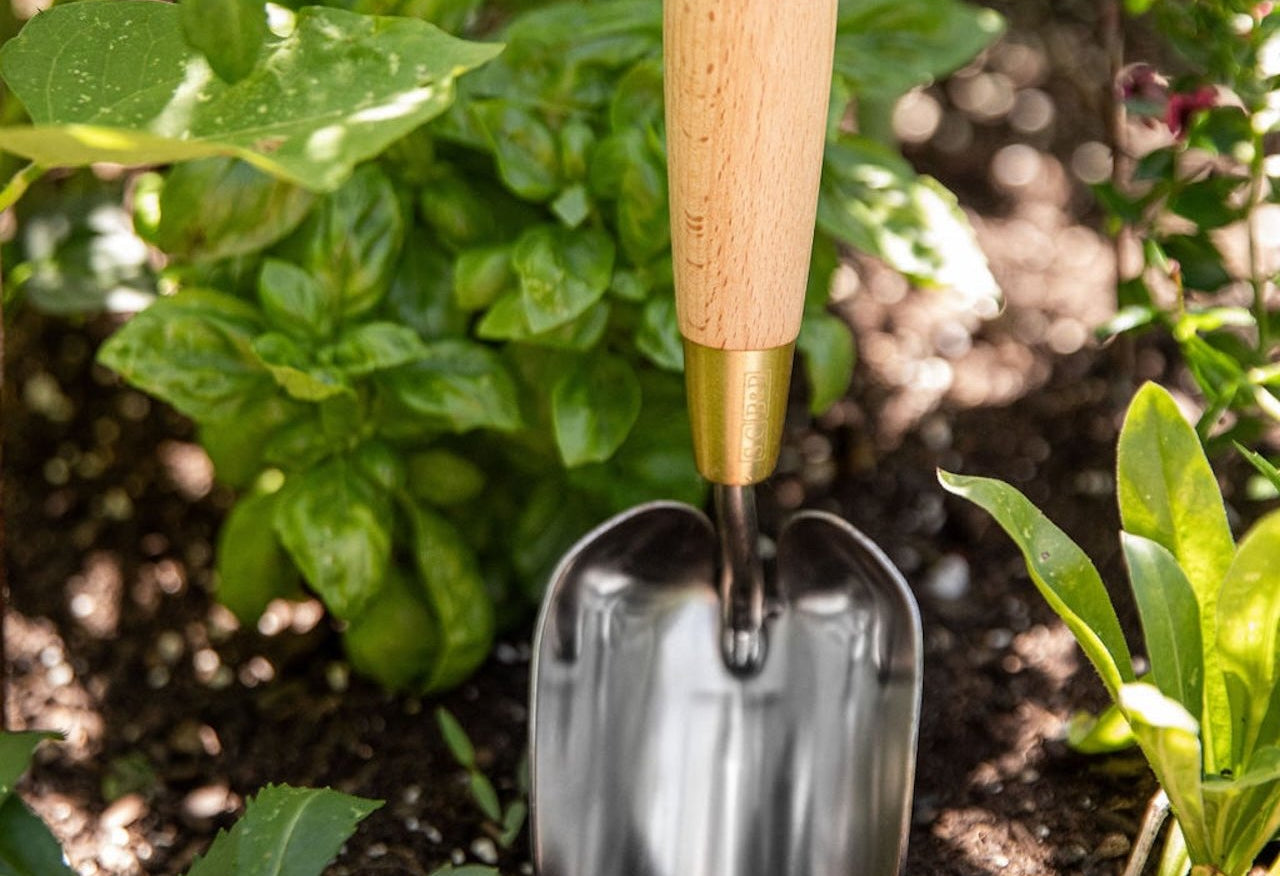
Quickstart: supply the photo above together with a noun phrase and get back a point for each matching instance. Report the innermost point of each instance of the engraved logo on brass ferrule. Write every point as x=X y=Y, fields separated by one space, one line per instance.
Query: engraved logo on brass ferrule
x=755 y=416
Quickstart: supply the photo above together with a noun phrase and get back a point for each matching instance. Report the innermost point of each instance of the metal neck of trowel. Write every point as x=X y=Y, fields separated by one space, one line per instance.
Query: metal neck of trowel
x=737 y=405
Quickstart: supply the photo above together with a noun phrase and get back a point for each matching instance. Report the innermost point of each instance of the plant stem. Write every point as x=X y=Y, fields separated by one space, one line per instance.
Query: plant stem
x=18 y=184
x=1152 y=820
x=1256 y=281
x=4 y=583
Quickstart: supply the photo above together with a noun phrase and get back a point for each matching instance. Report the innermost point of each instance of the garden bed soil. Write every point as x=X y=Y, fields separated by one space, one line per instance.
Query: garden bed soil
x=174 y=715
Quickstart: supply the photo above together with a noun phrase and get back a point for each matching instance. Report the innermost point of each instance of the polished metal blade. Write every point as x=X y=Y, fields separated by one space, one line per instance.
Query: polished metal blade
x=651 y=758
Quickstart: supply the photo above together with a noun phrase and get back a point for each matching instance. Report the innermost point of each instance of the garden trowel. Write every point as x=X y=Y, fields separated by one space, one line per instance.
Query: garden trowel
x=691 y=714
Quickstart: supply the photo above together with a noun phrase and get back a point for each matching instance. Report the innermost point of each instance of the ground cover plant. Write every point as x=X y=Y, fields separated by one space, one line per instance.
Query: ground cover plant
x=430 y=356
x=1205 y=713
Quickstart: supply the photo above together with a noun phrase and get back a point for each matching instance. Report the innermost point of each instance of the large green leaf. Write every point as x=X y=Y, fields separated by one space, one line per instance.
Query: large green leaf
x=562 y=272
x=192 y=350
x=27 y=848
x=1249 y=636
x=229 y=33
x=117 y=82
x=455 y=592
x=1243 y=812
x=1167 y=493
x=296 y=302
x=376 y=346
x=1170 y=620
x=1169 y=737
x=286 y=832
x=253 y=567
x=593 y=407
x=396 y=640
x=457 y=385
x=873 y=200
x=826 y=343
x=886 y=47
x=16 y=750
x=337 y=527
x=1061 y=571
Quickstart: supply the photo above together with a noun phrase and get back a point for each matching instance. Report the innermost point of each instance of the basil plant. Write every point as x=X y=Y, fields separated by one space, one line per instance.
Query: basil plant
x=1206 y=716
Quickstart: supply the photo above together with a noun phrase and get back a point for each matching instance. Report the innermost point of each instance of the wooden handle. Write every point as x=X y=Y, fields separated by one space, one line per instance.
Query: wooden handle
x=747 y=88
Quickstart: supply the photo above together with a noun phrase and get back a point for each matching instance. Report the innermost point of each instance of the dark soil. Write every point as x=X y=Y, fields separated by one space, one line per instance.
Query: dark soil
x=173 y=715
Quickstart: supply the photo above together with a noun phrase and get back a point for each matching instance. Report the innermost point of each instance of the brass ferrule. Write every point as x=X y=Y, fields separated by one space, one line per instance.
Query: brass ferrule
x=737 y=405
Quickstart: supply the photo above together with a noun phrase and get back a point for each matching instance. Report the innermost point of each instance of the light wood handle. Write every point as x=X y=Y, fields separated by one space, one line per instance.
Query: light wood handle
x=747 y=88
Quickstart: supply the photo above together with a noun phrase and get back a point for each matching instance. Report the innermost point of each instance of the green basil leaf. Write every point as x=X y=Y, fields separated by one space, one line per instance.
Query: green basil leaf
x=303 y=441
x=887 y=47
x=336 y=525
x=375 y=346
x=1169 y=737
x=572 y=206
x=826 y=342
x=462 y=211
x=421 y=293
x=577 y=141
x=288 y=364
x=551 y=520
x=1170 y=620
x=593 y=408
x=658 y=337
x=1249 y=636
x=191 y=350
x=562 y=272
x=396 y=639
x=625 y=168
x=872 y=200
x=295 y=302
x=1062 y=572
x=229 y=33
x=381 y=463
x=236 y=444
x=638 y=100
x=456 y=594
x=444 y=478
x=481 y=275
x=457 y=386
x=253 y=567
x=506 y=321
x=217 y=208
x=1167 y=493
x=27 y=847
x=526 y=150
x=351 y=240
x=355 y=84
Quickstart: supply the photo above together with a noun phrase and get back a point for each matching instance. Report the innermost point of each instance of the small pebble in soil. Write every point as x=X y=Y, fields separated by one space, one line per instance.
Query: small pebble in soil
x=376 y=850
x=207 y=801
x=999 y=861
x=948 y=578
x=1113 y=845
x=1072 y=853
x=506 y=653
x=411 y=794
x=458 y=856
x=485 y=850
x=432 y=833
x=1042 y=831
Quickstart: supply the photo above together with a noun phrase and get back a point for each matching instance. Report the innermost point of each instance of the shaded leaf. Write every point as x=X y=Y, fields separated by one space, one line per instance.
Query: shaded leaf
x=593 y=408
x=376 y=346
x=16 y=751
x=229 y=33
x=27 y=847
x=1170 y=619
x=456 y=385
x=562 y=272
x=826 y=343
x=396 y=639
x=295 y=302
x=351 y=84
x=456 y=738
x=253 y=567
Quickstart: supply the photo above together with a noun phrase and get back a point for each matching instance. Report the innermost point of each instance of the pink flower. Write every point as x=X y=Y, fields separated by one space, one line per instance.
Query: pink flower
x=1181 y=107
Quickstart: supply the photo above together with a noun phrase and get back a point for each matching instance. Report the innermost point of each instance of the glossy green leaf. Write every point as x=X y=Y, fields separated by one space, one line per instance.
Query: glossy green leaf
x=626 y=169
x=1249 y=636
x=1264 y=466
x=1170 y=619
x=1200 y=262
x=229 y=33
x=351 y=241
x=886 y=47
x=872 y=199
x=562 y=272
x=295 y=302
x=27 y=847
x=421 y=293
x=658 y=337
x=338 y=88
x=456 y=738
x=253 y=567
x=1243 y=814
x=336 y=525
x=1103 y=733
x=1170 y=739
x=191 y=350
x=572 y=206
x=236 y=443
x=593 y=408
x=217 y=208
x=286 y=832
x=1167 y=493
x=481 y=275
x=826 y=343
x=376 y=346
x=444 y=478
x=458 y=386
x=381 y=463
x=396 y=639
x=507 y=321
x=1209 y=203
x=526 y=150
x=456 y=595
x=288 y=363
x=1061 y=571
x=16 y=751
